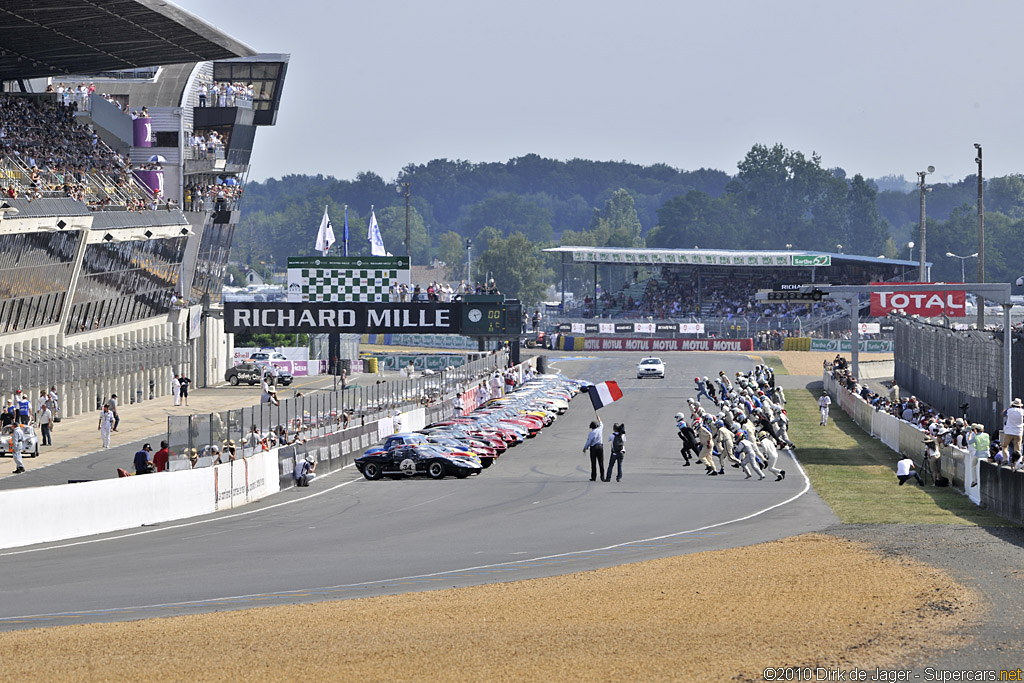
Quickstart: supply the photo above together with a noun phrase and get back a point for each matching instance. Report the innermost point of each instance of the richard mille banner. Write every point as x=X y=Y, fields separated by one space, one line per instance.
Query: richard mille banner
x=353 y=318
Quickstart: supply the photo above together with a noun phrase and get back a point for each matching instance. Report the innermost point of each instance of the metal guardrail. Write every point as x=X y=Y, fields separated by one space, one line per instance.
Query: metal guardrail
x=33 y=371
x=323 y=412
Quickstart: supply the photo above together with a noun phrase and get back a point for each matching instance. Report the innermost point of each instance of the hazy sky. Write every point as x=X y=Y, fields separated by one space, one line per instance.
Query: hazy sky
x=874 y=87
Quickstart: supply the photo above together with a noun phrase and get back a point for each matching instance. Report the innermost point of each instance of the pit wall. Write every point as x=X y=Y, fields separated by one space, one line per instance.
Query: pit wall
x=999 y=490
x=54 y=513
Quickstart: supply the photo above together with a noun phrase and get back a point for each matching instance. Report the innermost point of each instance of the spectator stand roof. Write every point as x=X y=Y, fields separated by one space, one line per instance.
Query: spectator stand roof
x=720 y=257
x=41 y=38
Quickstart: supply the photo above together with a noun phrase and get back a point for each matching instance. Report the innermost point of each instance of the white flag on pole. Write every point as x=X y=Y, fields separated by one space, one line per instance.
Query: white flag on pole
x=373 y=235
x=325 y=238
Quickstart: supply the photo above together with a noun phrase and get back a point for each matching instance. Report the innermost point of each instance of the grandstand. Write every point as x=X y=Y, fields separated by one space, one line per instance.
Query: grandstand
x=717 y=287
x=115 y=226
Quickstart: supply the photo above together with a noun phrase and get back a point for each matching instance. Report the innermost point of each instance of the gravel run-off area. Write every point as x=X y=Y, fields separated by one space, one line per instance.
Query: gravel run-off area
x=812 y=600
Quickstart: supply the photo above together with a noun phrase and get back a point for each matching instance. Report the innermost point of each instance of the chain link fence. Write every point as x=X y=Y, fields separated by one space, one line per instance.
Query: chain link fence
x=955 y=371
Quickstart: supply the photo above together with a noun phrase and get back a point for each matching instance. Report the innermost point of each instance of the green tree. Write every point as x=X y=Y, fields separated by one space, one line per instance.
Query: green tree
x=697 y=219
x=616 y=224
x=509 y=213
x=792 y=199
x=865 y=230
x=391 y=221
x=517 y=266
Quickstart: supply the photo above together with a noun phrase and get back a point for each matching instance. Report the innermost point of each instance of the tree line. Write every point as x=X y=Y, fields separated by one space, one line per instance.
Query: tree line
x=778 y=198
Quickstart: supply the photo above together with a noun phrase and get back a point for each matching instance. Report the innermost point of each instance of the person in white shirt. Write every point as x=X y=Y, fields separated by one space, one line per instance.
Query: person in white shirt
x=595 y=442
x=771 y=454
x=905 y=470
x=106 y=422
x=1012 y=429
x=823 y=403
x=17 y=445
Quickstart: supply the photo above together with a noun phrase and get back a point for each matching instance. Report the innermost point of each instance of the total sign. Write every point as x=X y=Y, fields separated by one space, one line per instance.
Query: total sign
x=925 y=304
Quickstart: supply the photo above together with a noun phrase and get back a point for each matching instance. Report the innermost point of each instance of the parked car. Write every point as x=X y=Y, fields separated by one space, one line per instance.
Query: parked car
x=247 y=372
x=31 y=447
x=650 y=367
x=416 y=459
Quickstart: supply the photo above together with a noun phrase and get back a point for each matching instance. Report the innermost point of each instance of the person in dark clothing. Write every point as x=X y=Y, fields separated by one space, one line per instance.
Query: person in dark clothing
x=618 y=439
x=185 y=382
x=595 y=442
x=689 y=439
x=142 y=461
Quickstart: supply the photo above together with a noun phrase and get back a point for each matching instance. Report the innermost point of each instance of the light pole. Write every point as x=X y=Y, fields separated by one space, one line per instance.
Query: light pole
x=962 y=259
x=469 y=261
x=403 y=189
x=981 y=233
x=840 y=248
x=922 y=256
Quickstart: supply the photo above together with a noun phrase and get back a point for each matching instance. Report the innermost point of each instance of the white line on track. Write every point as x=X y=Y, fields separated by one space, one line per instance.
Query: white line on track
x=417 y=577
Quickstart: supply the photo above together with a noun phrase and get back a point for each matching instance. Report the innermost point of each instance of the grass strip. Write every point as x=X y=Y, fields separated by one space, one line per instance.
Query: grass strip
x=776 y=364
x=856 y=474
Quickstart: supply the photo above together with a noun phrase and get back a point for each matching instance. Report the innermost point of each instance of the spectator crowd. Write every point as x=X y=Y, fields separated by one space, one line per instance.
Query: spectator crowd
x=45 y=139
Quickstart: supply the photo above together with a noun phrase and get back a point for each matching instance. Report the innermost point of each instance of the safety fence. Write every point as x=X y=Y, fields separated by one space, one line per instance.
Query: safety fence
x=320 y=413
x=998 y=488
x=950 y=368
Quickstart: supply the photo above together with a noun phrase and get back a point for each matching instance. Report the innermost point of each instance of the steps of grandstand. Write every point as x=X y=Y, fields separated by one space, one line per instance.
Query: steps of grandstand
x=635 y=290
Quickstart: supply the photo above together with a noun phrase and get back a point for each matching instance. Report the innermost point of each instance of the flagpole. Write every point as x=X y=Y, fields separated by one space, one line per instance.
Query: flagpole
x=346 y=230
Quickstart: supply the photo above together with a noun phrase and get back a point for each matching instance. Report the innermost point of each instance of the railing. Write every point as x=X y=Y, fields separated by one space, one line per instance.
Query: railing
x=323 y=412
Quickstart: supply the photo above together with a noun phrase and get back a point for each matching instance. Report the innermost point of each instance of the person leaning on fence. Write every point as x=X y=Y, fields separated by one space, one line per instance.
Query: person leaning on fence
x=1013 y=428
x=932 y=456
x=980 y=447
x=905 y=470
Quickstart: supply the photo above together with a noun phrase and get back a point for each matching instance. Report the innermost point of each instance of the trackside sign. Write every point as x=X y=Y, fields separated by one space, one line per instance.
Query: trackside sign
x=926 y=304
x=355 y=318
x=649 y=344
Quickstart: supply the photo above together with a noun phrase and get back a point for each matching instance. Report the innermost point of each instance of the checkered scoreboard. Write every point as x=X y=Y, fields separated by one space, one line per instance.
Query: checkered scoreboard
x=348 y=279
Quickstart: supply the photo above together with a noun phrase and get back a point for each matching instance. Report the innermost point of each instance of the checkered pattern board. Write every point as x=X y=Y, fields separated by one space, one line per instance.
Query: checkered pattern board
x=329 y=285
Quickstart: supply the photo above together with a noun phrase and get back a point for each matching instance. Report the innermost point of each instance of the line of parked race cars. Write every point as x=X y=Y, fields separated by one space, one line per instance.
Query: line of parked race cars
x=463 y=445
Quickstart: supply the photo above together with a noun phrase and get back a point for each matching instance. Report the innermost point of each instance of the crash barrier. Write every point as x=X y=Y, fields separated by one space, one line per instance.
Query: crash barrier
x=999 y=489
x=950 y=368
x=322 y=412
x=651 y=344
x=52 y=513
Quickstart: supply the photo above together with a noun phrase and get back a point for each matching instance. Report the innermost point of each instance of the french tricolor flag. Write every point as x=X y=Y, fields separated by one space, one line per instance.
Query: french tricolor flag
x=604 y=393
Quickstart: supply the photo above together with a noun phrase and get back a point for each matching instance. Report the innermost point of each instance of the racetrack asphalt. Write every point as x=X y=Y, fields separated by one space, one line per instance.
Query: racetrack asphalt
x=534 y=513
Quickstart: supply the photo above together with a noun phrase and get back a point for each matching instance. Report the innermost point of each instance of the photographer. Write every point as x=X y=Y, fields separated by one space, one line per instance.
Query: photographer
x=905 y=470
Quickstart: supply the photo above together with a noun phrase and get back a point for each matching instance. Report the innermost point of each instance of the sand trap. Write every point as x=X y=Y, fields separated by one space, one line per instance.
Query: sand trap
x=808 y=600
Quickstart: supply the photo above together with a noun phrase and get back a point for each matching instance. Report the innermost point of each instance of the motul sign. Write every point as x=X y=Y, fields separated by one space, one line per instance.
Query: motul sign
x=926 y=304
